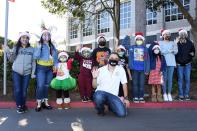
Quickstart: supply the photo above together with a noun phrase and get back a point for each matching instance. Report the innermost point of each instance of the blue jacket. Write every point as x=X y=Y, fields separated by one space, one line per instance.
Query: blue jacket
x=146 y=58
x=43 y=53
x=153 y=59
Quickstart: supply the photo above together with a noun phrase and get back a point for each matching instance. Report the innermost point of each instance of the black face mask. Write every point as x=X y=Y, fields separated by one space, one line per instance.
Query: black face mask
x=102 y=43
x=113 y=62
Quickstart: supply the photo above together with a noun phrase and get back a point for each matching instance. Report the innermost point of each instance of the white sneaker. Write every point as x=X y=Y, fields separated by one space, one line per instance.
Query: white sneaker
x=165 y=97
x=169 y=97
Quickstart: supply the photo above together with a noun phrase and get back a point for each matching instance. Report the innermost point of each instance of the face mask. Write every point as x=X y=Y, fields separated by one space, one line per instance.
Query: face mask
x=46 y=38
x=156 y=51
x=121 y=53
x=113 y=62
x=139 y=42
x=86 y=54
x=24 y=41
x=63 y=59
x=102 y=43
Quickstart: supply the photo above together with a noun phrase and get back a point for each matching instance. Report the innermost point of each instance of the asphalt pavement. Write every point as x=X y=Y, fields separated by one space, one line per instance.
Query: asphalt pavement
x=137 y=120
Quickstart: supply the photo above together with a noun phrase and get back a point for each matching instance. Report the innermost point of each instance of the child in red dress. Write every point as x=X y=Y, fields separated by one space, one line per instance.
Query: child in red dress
x=157 y=64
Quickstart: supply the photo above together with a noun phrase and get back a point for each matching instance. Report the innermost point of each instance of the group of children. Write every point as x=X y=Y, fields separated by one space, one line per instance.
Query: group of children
x=51 y=67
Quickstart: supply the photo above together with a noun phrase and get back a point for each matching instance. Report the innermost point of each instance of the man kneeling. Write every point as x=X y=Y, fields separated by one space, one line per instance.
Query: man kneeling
x=106 y=80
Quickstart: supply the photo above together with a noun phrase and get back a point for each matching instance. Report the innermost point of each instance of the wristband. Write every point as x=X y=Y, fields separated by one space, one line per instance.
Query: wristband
x=126 y=98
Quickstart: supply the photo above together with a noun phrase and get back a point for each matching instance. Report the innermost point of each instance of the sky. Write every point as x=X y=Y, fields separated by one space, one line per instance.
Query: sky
x=27 y=15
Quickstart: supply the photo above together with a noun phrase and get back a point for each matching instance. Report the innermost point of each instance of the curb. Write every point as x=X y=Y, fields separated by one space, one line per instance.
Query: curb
x=148 y=105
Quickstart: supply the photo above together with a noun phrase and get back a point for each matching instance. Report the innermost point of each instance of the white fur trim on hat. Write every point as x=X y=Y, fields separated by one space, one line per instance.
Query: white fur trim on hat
x=101 y=37
x=24 y=34
x=86 y=48
x=139 y=36
x=62 y=53
x=121 y=47
x=156 y=46
x=45 y=31
x=183 y=31
x=165 y=32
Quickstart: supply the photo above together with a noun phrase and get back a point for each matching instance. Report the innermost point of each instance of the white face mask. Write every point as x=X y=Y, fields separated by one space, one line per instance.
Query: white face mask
x=156 y=51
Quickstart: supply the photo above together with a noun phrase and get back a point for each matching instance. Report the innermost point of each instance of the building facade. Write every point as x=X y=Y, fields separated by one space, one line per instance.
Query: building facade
x=168 y=17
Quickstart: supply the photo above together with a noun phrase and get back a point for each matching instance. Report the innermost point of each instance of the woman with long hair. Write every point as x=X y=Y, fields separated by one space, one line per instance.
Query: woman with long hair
x=46 y=56
x=22 y=69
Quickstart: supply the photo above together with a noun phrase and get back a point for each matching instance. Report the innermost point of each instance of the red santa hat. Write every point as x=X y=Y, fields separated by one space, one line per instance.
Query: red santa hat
x=139 y=35
x=121 y=47
x=163 y=32
x=26 y=33
x=183 y=31
x=63 y=53
x=156 y=46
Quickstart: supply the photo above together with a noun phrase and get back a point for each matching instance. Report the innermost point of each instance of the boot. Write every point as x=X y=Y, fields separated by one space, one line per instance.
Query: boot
x=66 y=103
x=38 y=108
x=59 y=102
x=153 y=96
x=45 y=104
x=159 y=95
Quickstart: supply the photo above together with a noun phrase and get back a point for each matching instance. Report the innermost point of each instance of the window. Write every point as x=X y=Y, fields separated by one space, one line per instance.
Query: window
x=87 y=27
x=73 y=28
x=172 y=13
x=151 y=17
x=103 y=22
x=125 y=15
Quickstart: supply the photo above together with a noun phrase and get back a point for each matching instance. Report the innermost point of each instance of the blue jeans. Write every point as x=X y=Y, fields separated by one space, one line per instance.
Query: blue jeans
x=138 y=83
x=114 y=103
x=168 y=77
x=20 y=84
x=183 y=73
x=44 y=75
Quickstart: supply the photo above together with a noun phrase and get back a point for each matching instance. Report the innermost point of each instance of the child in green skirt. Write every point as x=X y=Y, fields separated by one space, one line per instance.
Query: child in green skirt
x=63 y=82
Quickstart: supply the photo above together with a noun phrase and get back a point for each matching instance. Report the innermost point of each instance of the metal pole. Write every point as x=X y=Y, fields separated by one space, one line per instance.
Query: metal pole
x=5 y=44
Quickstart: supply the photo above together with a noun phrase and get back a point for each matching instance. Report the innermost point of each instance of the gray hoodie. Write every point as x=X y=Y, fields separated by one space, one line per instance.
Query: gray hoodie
x=23 y=63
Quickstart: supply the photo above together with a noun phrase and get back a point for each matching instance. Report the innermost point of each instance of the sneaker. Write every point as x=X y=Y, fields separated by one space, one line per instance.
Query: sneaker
x=165 y=97
x=135 y=100
x=88 y=99
x=169 y=97
x=141 y=100
x=181 y=98
x=20 y=110
x=84 y=99
x=187 y=98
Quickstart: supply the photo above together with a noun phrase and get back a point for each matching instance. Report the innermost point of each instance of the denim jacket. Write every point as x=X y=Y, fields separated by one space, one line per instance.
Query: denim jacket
x=146 y=58
x=44 y=53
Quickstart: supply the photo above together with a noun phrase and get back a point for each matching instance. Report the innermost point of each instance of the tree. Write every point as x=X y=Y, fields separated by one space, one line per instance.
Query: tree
x=82 y=8
x=156 y=4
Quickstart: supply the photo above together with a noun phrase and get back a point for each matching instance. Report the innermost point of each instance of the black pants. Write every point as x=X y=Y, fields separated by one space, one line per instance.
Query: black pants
x=62 y=93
